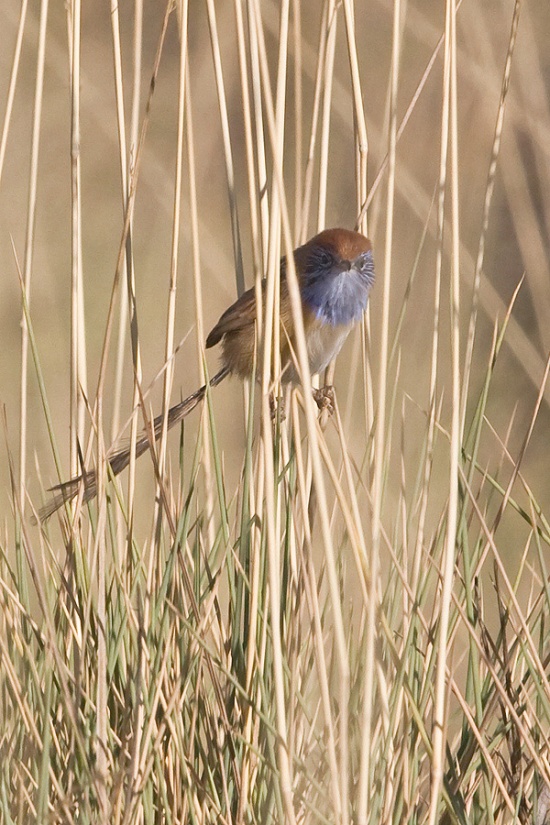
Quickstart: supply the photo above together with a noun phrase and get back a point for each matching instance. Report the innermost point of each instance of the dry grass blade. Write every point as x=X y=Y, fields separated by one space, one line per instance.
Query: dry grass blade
x=304 y=619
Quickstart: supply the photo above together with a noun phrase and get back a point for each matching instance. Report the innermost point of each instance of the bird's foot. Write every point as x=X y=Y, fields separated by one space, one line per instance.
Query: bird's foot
x=325 y=399
x=277 y=407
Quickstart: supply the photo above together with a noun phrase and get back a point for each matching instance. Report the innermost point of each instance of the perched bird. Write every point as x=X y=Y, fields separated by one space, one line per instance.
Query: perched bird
x=335 y=272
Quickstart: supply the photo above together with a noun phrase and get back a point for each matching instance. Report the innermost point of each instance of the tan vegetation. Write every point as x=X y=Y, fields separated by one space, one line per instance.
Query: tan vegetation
x=315 y=619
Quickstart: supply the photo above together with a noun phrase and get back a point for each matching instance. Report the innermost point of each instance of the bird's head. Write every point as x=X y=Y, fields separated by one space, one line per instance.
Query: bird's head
x=335 y=271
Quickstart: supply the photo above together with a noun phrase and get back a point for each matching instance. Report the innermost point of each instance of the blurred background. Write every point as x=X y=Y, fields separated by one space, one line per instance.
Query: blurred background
x=123 y=607
x=517 y=242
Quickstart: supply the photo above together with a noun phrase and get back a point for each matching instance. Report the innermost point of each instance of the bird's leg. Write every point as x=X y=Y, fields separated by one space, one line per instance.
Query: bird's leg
x=277 y=406
x=325 y=399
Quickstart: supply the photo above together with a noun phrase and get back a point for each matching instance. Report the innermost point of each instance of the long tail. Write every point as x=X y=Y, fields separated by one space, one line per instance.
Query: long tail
x=119 y=459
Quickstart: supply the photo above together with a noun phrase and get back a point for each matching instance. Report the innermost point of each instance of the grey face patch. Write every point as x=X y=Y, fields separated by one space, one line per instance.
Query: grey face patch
x=339 y=297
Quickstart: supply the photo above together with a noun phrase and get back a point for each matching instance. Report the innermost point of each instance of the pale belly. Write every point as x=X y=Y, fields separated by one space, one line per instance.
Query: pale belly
x=324 y=342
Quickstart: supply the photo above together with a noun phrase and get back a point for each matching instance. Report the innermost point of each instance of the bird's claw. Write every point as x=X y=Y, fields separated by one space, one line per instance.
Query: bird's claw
x=277 y=407
x=325 y=399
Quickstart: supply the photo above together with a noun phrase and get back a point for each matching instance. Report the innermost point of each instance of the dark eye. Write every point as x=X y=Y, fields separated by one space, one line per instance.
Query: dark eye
x=324 y=259
x=366 y=261
x=319 y=262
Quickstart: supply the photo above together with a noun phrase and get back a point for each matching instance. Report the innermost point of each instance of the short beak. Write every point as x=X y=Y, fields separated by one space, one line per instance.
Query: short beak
x=344 y=266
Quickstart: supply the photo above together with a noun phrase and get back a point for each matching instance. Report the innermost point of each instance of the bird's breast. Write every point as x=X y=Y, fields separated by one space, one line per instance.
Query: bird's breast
x=323 y=341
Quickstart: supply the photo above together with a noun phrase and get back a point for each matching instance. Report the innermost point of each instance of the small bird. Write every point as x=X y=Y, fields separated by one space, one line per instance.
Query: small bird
x=335 y=272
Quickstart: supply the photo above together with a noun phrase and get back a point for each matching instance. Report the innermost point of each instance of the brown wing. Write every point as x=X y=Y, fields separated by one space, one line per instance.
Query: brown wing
x=239 y=315
x=242 y=313
x=236 y=330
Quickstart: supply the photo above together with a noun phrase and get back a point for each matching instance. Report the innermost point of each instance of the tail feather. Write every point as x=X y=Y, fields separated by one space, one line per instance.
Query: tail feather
x=120 y=458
